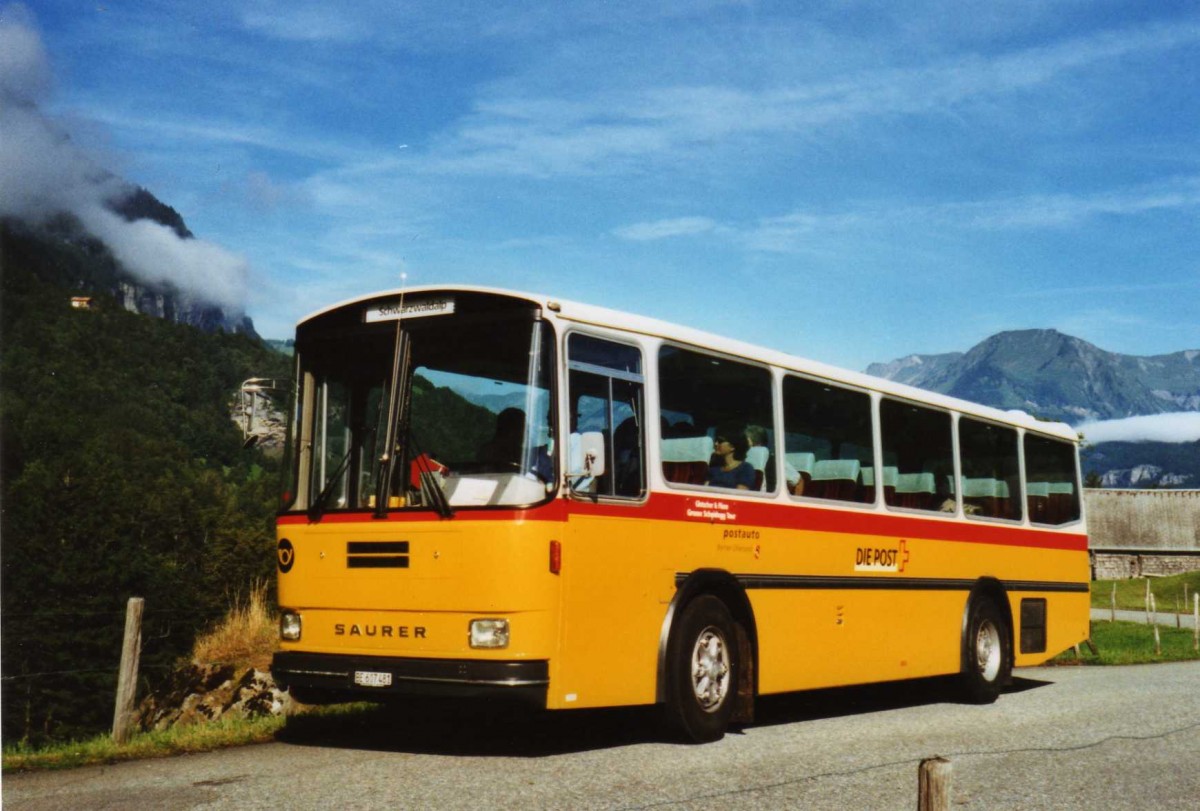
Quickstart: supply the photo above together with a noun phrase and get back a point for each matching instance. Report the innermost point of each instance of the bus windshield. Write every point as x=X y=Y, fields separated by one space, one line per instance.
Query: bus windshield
x=472 y=421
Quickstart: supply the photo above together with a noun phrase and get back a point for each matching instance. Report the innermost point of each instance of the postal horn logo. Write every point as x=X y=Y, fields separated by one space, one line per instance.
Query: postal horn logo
x=286 y=555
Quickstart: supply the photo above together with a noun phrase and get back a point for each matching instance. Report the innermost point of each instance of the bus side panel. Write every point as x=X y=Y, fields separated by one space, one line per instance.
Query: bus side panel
x=826 y=638
x=617 y=586
x=1067 y=623
x=820 y=635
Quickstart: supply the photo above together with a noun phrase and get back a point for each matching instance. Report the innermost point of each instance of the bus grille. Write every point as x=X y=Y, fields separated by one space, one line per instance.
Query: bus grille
x=377 y=554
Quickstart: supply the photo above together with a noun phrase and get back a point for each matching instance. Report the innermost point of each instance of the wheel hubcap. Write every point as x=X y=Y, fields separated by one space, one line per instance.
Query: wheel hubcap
x=987 y=650
x=710 y=669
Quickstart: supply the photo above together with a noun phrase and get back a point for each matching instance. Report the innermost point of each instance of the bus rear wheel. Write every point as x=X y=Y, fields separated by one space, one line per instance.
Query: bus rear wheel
x=702 y=674
x=987 y=652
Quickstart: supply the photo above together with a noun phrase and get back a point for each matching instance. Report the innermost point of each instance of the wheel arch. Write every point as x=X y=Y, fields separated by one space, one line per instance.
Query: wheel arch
x=725 y=587
x=986 y=588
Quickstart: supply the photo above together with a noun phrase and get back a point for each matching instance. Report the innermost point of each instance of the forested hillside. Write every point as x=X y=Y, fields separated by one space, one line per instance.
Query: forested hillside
x=121 y=475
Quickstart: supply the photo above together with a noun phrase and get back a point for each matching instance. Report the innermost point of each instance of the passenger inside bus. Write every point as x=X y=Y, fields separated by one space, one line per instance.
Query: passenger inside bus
x=627 y=458
x=506 y=447
x=731 y=469
x=759 y=454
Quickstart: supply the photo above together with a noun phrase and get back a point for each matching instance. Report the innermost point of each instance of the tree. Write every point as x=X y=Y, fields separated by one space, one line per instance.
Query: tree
x=121 y=475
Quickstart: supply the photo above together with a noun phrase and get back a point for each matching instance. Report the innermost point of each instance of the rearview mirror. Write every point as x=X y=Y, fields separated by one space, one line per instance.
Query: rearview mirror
x=585 y=455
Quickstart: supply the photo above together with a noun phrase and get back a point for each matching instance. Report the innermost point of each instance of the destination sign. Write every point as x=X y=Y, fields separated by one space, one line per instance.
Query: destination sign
x=412 y=308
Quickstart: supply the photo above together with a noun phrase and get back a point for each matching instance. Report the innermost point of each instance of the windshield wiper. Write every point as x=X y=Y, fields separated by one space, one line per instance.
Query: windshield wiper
x=397 y=406
x=399 y=422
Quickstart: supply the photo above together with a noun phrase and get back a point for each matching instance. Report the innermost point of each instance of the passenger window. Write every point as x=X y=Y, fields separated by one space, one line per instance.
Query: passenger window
x=918 y=457
x=605 y=396
x=828 y=441
x=991 y=478
x=713 y=409
x=1050 y=481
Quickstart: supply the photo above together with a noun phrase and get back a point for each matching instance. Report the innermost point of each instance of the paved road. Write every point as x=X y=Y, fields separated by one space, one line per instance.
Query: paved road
x=1161 y=618
x=1119 y=737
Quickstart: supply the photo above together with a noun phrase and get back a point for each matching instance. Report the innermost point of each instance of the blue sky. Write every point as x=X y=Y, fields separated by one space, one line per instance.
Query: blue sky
x=850 y=182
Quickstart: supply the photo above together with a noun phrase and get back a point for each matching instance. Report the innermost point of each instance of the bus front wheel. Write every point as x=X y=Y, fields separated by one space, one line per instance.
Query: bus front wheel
x=702 y=676
x=987 y=653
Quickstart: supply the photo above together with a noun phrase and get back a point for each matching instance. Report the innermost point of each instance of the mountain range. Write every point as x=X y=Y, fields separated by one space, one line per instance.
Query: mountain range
x=1060 y=377
x=1055 y=376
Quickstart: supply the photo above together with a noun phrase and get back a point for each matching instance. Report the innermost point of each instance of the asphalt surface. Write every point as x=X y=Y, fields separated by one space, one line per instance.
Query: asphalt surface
x=1061 y=738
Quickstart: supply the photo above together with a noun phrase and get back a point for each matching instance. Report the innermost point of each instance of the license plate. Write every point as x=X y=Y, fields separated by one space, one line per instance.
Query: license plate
x=371 y=678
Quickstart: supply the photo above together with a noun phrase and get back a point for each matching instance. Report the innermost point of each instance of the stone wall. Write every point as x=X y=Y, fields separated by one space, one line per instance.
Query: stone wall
x=1120 y=566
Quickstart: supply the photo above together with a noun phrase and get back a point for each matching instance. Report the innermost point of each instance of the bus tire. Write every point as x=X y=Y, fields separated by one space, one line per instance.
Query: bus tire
x=987 y=652
x=702 y=671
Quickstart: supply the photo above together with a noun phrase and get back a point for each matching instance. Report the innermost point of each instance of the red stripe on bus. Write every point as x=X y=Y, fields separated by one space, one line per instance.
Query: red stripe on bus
x=816 y=518
x=798 y=516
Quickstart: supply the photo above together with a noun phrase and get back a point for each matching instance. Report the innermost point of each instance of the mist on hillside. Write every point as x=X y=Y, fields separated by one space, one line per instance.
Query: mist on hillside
x=44 y=174
x=1175 y=427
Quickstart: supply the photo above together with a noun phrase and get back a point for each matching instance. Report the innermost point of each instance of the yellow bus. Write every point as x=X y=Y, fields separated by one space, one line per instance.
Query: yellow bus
x=496 y=493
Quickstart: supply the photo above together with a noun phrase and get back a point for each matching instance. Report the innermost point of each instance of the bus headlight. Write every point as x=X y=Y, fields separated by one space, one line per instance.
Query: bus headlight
x=489 y=633
x=289 y=626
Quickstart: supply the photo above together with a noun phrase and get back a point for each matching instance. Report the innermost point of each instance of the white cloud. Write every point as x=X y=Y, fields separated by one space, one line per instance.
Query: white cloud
x=156 y=255
x=43 y=173
x=543 y=135
x=301 y=23
x=24 y=68
x=1176 y=427
x=799 y=231
x=1065 y=209
x=455 y=24
x=217 y=132
x=665 y=229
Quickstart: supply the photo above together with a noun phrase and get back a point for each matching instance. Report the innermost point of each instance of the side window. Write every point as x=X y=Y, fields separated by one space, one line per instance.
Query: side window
x=991 y=477
x=827 y=441
x=1050 y=481
x=605 y=396
x=918 y=457
x=717 y=421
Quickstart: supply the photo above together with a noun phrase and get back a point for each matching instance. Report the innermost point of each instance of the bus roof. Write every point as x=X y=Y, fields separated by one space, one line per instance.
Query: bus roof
x=577 y=312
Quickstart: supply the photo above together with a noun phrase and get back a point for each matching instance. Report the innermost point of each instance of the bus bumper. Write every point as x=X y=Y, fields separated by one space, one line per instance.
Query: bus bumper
x=328 y=678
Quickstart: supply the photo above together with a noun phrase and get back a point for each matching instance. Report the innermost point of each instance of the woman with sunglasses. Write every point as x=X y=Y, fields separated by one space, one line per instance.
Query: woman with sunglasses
x=729 y=467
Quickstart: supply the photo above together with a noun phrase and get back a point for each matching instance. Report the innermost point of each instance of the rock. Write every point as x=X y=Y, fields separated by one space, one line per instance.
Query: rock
x=198 y=693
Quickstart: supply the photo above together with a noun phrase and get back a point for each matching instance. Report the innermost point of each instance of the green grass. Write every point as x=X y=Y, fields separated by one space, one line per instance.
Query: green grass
x=1131 y=594
x=179 y=740
x=1131 y=643
x=174 y=741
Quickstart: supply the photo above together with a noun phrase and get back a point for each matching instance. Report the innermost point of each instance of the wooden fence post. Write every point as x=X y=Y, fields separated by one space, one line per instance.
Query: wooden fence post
x=1147 y=601
x=933 y=784
x=1113 y=617
x=1157 y=638
x=131 y=650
